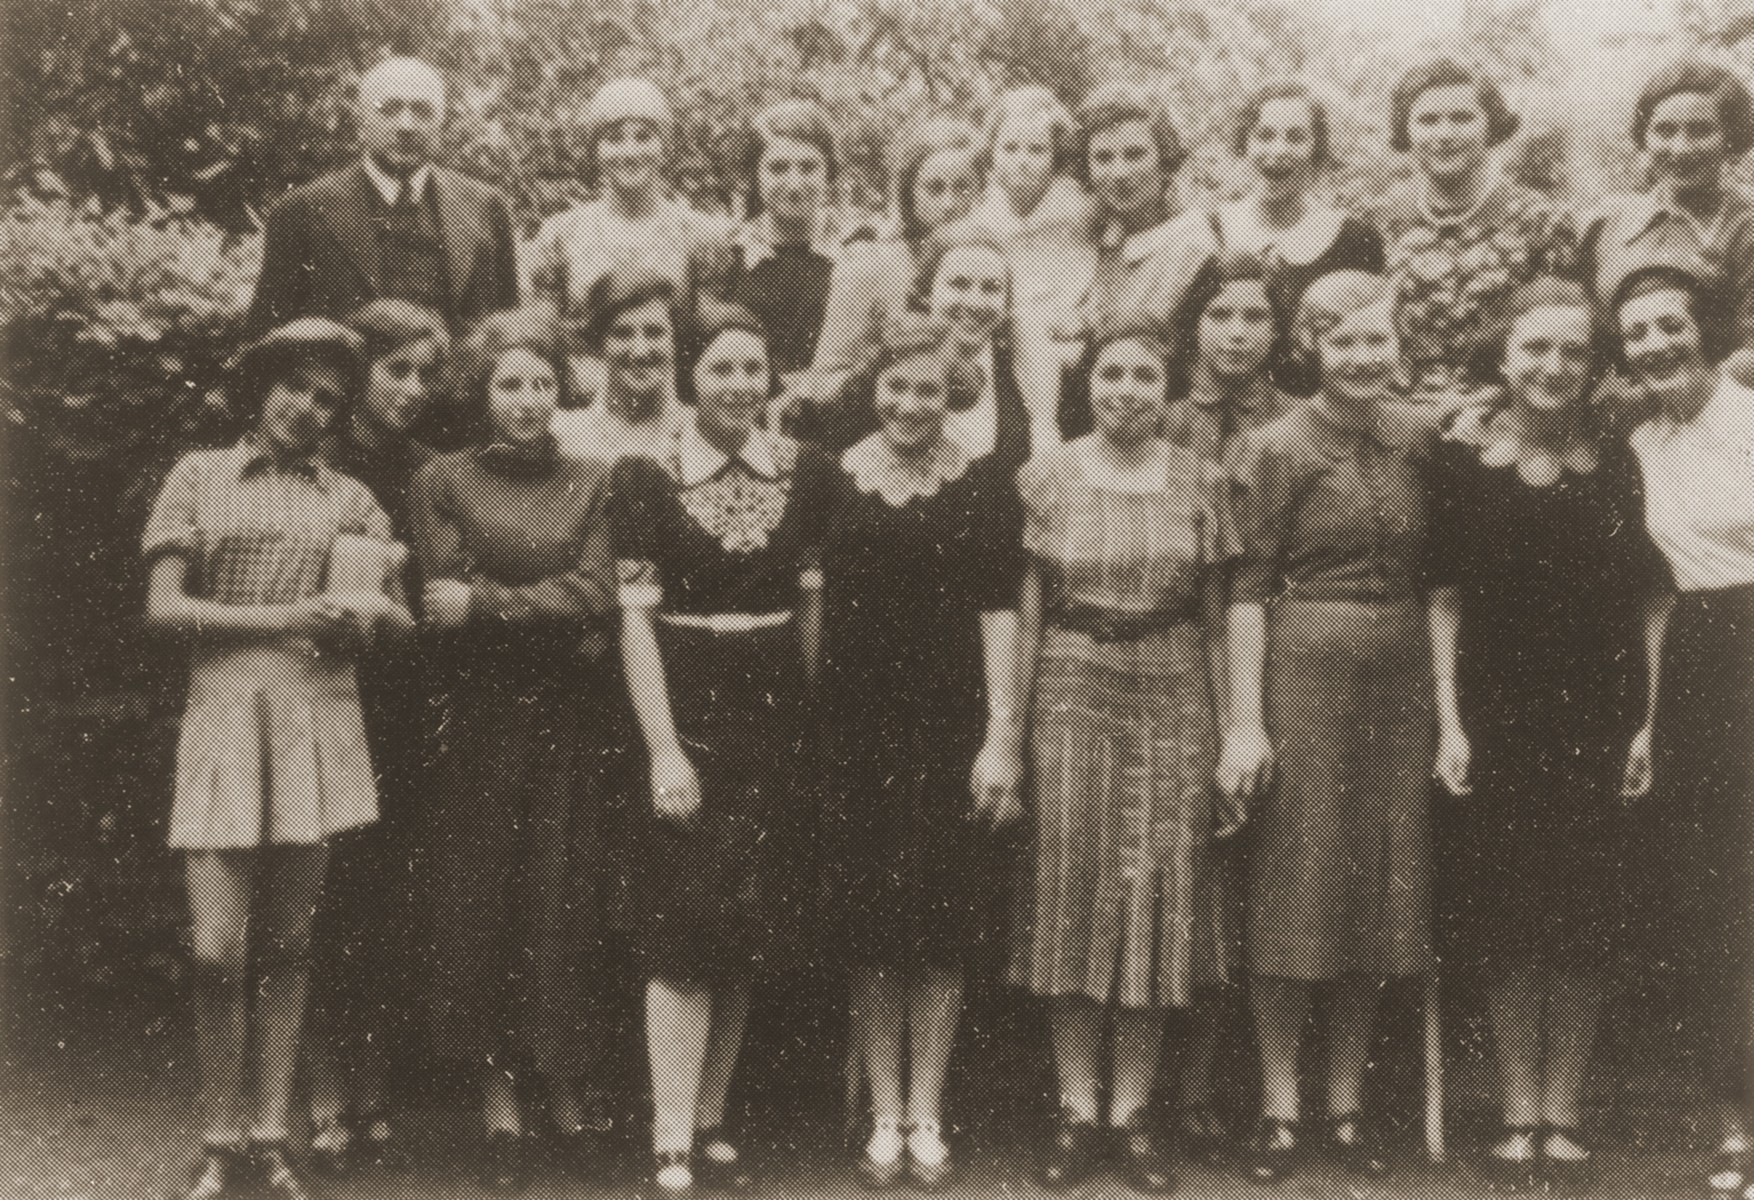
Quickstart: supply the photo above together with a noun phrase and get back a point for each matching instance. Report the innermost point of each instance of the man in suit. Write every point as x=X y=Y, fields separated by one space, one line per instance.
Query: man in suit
x=391 y=225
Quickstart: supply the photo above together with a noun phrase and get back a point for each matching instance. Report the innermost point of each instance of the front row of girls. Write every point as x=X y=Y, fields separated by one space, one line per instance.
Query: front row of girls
x=1220 y=608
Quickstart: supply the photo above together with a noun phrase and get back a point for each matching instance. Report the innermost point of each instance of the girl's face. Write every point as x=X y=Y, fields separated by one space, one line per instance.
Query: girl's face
x=1686 y=141
x=1447 y=128
x=944 y=188
x=630 y=155
x=1129 y=391
x=1662 y=343
x=1359 y=355
x=522 y=394
x=1023 y=158
x=971 y=292
x=300 y=407
x=1127 y=174
x=1547 y=358
x=400 y=386
x=1281 y=146
x=1236 y=330
x=913 y=396
x=639 y=350
x=731 y=386
x=793 y=180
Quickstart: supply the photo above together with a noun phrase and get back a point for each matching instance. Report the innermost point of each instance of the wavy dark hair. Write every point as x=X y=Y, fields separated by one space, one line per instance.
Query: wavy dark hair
x=1690 y=76
x=1321 y=128
x=1220 y=271
x=1115 y=104
x=1501 y=123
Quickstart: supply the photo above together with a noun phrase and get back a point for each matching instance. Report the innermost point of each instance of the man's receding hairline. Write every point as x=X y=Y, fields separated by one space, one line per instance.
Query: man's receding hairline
x=402 y=66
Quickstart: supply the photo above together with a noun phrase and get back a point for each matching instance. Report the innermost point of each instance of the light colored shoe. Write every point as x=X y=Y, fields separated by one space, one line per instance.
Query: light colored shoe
x=928 y=1156
x=881 y=1165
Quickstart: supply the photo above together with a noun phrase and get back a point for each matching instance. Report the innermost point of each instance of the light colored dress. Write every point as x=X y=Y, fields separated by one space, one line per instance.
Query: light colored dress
x=1120 y=896
x=273 y=746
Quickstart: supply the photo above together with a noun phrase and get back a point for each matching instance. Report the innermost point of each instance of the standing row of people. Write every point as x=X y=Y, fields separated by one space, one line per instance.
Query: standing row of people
x=1287 y=533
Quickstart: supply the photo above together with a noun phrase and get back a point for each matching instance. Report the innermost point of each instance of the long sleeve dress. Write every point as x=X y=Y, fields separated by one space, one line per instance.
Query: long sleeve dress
x=273 y=746
x=908 y=877
x=1333 y=528
x=515 y=820
x=720 y=549
x=1550 y=676
x=1119 y=895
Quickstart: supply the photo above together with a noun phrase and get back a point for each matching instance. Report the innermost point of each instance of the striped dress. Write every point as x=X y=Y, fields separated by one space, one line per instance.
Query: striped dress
x=1118 y=898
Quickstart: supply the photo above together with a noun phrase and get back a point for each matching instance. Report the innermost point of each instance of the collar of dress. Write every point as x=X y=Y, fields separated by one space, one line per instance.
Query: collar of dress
x=1312 y=236
x=252 y=457
x=877 y=469
x=698 y=460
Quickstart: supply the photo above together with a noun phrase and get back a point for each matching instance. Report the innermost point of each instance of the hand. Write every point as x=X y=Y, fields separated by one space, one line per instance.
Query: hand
x=1232 y=815
x=995 y=782
x=320 y=619
x=447 y=603
x=1639 y=771
x=675 y=787
x=1455 y=759
x=1245 y=767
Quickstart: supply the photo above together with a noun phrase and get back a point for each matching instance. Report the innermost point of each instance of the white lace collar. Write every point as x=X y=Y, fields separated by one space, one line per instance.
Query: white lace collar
x=698 y=460
x=877 y=469
x=1499 y=438
x=1310 y=237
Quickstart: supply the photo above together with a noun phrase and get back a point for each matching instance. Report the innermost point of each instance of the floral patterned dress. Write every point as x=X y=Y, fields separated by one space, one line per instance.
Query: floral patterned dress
x=1452 y=268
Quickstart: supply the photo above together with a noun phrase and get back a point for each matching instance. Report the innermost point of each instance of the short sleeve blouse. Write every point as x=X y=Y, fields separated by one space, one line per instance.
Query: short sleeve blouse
x=1129 y=552
x=254 y=530
x=1699 y=490
x=742 y=539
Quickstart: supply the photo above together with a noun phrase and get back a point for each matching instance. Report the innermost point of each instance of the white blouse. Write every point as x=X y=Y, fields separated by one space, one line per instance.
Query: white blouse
x=1699 y=490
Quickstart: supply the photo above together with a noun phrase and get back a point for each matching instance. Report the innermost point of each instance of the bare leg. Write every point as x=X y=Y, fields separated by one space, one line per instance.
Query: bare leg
x=219 y=920
x=292 y=887
x=1281 y=1006
x=1138 y=1046
x=1573 y=1006
x=878 y=1010
x=1350 y=1032
x=730 y=1018
x=499 y=1102
x=1077 y=1032
x=1515 y=1006
x=679 y=1020
x=934 y=1005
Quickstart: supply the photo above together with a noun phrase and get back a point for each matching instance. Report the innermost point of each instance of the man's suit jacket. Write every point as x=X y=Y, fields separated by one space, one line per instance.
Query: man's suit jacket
x=320 y=250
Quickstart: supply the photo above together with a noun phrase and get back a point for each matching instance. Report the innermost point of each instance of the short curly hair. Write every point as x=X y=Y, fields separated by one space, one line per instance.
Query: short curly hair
x=1689 y=76
x=801 y=121
x=535 y=328
x=1320 y=127
x=1117 y=103
x=1329 y=301
x=1501 y=123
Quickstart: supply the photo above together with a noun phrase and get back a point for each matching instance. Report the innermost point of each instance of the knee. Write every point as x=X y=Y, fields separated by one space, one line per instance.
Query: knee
x=217 y=949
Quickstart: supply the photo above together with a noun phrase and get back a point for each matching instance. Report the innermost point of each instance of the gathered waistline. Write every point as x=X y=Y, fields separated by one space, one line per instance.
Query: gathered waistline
x=730 y=622
x=1103 y=625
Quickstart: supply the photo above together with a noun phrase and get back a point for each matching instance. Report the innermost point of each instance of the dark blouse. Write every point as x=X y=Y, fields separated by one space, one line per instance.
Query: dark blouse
x=788 y=291
x=734 y=542
x=530 y=537
x=1327 y=513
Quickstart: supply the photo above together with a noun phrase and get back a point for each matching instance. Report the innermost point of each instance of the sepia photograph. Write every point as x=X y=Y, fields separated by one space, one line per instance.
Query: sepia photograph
x=655 y=599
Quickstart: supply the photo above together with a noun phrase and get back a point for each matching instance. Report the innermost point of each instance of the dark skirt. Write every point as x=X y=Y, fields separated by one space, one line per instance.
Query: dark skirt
x=519 y=869
x=1694 y=831
x=1339 y=882
x=705 y=894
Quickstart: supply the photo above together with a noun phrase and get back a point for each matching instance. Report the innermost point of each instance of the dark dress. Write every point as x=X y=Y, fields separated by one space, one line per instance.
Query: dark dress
x=514 y=821
x=788 y=290
x=1551 y=681
x=909 y=879
x=1333 y=527
x=361 y=971
x=737 y=543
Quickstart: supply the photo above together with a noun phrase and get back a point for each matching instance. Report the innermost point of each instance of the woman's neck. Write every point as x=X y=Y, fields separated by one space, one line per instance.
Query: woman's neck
x=1459 y=192
x=635 y=410
x=1282 y=205
x=1131 y=455
x=369 y=435
x=792 y=231
x=1226 y=387
x=634 y=205
x=917 y=458
x=1024 y=203
x=1544 y=429
x=1685 y=404
x=726 y=439
x=1148 y=215
x=1351 y=412
x=1702 y=200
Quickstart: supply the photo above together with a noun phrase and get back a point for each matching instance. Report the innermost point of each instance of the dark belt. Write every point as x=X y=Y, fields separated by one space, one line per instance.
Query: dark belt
x=1103 y=625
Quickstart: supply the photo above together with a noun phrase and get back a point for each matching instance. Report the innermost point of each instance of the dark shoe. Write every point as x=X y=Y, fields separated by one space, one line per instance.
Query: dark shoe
x=930 y=1166
x=1071 y=1154
x=272 y=1173
x=330 y=1154
x=879 y=1173
x=376 y=1143
x=216 y=1175
x=1144 y=1160
x=1271 y=1152
x=504 y=1168
x=1513 y=1175
x=1356 y=1146
x=1568 y=1176
x=1202 y=1134
x=725 y=1173
x=665 y=1160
